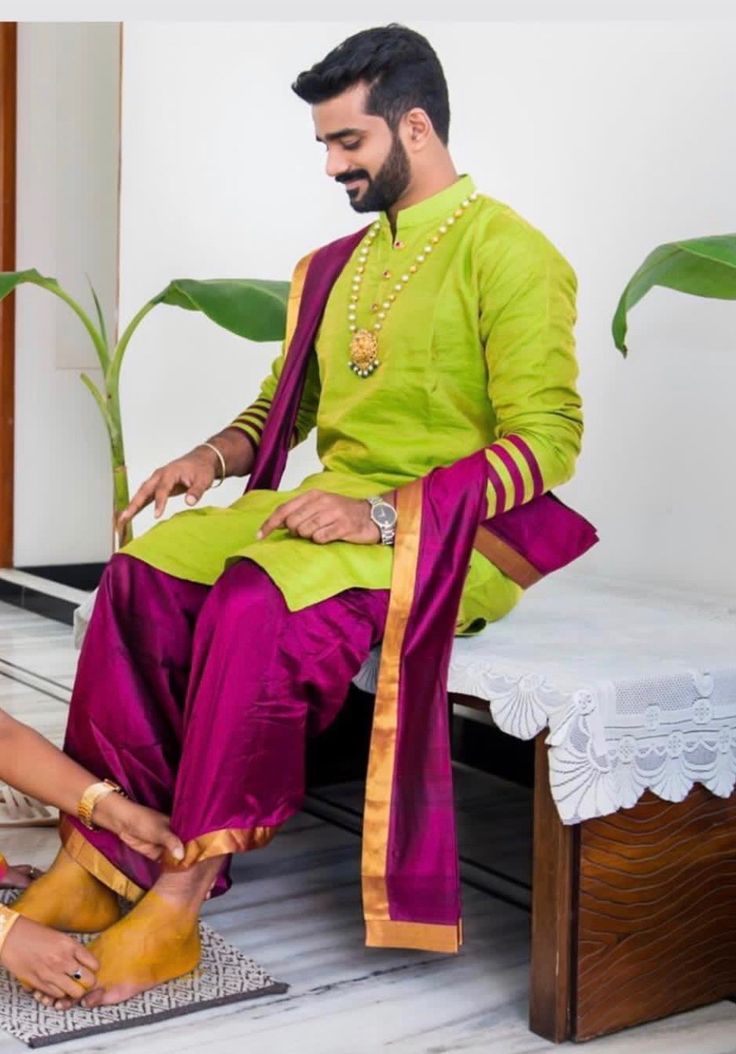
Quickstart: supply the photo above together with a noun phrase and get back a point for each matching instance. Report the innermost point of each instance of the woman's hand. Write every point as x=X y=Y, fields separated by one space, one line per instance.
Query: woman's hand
x=141 y=828
x=323 y=518
x=44 y=960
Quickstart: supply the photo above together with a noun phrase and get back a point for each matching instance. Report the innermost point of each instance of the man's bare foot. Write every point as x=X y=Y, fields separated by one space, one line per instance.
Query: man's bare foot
x=68 y=897
x=157 y=941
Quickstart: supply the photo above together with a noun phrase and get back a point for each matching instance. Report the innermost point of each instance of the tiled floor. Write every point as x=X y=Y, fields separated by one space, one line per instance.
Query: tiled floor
x=295 y=907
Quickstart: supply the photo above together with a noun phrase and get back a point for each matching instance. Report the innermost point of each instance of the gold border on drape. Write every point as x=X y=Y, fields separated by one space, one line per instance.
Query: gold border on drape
x=381 y=930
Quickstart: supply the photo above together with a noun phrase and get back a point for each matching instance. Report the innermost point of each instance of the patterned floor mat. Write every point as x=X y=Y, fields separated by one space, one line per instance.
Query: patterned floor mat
x=223 y=976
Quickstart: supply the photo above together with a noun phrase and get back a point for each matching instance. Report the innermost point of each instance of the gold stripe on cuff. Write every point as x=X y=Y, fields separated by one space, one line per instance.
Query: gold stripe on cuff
x=92 y=860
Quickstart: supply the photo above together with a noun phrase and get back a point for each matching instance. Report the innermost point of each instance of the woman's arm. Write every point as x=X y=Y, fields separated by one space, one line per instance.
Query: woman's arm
x=35 y=766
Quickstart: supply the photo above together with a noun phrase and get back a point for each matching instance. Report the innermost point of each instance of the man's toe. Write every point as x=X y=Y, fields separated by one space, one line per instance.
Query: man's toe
x=93 y=998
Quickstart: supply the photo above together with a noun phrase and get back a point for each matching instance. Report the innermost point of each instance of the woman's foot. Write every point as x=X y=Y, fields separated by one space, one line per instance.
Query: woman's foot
x=157 y=941
x=19 y=876
x=68 y=897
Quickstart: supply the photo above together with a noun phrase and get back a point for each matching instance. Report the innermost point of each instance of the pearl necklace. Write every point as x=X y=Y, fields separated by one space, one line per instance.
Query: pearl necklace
x=364 y=343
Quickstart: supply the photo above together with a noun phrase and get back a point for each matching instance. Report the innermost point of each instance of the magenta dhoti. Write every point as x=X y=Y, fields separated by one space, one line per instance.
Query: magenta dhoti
x=198 y=701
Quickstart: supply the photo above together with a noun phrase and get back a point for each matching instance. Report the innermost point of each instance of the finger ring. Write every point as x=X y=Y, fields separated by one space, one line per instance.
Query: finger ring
x=76 y=976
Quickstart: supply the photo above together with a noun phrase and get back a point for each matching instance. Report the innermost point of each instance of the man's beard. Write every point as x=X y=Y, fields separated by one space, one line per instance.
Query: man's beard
x=389 y=183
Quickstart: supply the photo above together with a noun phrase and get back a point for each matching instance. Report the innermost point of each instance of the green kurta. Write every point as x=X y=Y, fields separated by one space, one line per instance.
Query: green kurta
x=430 y=402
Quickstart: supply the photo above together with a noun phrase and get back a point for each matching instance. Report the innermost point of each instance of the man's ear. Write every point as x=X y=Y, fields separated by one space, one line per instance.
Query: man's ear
x=418 y=127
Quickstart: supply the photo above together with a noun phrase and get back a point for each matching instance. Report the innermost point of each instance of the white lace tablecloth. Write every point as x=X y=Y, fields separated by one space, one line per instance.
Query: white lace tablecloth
x=637 y=688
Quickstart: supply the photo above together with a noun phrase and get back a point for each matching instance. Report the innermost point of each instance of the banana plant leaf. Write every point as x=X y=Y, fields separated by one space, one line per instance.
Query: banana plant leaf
x=252 y=308
x=9 y=280
x=701 y=266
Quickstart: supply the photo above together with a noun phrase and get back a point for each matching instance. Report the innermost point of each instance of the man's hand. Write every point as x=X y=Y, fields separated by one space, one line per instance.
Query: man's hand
x=192 y=475
x=323 y=518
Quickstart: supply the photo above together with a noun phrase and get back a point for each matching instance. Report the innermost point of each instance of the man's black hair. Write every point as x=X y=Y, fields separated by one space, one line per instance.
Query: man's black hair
x=400 y=68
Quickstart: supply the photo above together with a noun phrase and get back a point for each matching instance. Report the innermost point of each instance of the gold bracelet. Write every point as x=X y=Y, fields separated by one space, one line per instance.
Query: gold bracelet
x=93 y=794
x=8 y=919
x=223 y=467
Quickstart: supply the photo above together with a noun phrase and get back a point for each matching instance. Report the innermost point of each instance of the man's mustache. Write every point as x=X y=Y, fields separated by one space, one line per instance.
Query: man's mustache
x=350 y=176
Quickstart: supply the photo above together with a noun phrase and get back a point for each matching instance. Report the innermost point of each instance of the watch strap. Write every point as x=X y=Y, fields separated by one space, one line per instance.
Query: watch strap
x=388 y=534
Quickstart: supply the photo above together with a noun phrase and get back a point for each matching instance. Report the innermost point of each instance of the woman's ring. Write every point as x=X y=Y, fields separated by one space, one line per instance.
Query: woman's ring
x=76 y=976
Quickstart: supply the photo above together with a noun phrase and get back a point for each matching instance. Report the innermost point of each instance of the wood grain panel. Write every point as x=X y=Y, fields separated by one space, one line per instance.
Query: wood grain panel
x=657 y=911
x=551 y=987
x=8 y=66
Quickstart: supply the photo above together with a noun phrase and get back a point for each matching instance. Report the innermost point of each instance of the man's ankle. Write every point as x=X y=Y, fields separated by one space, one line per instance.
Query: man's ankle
x=187 y=887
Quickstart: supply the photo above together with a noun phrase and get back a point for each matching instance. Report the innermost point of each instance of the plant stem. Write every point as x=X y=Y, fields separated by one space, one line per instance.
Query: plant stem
x=99 y=343
x=112 y=376
x=121 y=495
x=120 y=500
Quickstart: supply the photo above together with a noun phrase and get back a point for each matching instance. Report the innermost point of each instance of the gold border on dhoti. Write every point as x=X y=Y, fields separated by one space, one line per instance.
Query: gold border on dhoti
x=220 y=843
x=381 y=930
x=214 y=843
x=92 y=860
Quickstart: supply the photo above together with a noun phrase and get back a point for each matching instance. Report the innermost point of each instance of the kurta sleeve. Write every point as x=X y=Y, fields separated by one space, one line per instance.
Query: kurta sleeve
x=251 y=421
x=527 y=315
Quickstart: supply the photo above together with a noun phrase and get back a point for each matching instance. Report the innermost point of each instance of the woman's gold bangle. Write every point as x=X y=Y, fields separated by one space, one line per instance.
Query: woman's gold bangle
x=92 y=796
x=8 y=919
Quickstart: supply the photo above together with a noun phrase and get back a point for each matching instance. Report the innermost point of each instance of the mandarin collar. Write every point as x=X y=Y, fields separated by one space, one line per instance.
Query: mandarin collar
x=431 y=210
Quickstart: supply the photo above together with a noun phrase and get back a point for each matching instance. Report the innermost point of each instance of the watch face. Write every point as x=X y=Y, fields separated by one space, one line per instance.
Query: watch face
x=384 y=515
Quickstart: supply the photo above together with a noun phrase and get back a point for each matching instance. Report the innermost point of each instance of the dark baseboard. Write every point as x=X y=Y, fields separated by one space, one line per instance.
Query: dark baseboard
x=80 y=576
x=40 y=602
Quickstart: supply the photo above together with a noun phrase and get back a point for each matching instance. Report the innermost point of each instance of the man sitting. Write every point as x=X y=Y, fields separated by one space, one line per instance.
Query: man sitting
x=440 y=375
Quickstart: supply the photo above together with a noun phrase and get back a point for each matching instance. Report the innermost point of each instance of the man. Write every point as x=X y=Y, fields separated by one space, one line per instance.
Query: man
x=434 y=353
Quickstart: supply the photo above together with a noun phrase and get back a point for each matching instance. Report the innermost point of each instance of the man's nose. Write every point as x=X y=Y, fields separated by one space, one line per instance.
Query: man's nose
x=336 y=163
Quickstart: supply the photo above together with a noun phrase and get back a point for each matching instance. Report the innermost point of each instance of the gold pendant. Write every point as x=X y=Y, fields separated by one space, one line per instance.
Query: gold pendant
x=363 y=353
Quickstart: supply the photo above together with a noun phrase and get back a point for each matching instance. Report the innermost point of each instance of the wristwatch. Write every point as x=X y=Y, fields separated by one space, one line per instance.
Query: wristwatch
x=383 y=514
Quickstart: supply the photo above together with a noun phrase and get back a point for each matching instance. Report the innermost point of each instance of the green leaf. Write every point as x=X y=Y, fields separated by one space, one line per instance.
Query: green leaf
x=9 y=280
x=100 y=313
x=700 y=266
x=252 y=308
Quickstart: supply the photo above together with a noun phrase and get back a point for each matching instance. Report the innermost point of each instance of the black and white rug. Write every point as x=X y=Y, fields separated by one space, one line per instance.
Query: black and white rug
x=223 y=976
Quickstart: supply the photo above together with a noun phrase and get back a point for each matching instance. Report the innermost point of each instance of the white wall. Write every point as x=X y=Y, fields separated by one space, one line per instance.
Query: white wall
x=68 y=140
x=611 y=137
